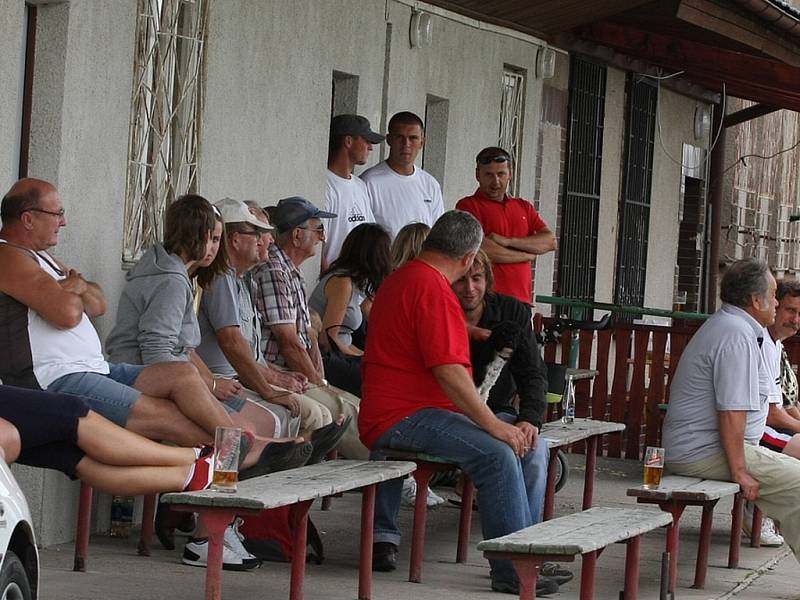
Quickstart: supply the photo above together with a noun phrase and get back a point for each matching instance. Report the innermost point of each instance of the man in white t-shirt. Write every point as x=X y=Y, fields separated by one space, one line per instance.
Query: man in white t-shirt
x=400 y=192
x=350 y=143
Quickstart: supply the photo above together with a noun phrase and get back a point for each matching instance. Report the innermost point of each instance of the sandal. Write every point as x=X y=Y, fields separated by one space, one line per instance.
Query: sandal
x=279 y=456
x=326 y=439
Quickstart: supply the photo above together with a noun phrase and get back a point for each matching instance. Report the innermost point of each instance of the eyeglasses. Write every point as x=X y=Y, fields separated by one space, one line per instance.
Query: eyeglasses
x=320 y=229
x=500 y=158
x=254 y=232
x=53 y=213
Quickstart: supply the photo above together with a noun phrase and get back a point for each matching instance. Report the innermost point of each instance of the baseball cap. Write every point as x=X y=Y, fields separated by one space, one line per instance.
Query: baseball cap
x=290 y=212
x=236 y=211
x=355 y=125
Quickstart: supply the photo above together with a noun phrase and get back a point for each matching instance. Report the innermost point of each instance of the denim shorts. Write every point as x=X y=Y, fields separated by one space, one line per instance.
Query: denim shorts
x=110 y=395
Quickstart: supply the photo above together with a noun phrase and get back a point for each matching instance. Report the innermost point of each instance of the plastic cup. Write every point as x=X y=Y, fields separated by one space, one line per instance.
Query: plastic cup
x=226 y=459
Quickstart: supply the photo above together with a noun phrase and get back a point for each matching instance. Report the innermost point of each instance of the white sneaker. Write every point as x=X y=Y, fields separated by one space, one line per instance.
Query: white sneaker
x=409 y=494
x=234 y=540
x=195 y=554
x=769 y=537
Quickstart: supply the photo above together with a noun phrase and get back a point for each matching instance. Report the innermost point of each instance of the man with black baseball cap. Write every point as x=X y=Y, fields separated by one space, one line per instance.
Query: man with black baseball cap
x=351 y=139
x=288 y=340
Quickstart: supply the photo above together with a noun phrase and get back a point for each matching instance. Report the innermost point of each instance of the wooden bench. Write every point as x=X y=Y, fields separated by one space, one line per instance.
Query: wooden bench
x=676 y=493
x=586 y=533
x=427 y=465
x=296 y=488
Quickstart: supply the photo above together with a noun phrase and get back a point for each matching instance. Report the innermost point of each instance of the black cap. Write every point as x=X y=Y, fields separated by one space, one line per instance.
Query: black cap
x=355 y=125
x=293 y=211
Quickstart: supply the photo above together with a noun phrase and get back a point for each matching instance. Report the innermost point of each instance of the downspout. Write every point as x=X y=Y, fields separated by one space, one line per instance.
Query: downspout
x=716 y=192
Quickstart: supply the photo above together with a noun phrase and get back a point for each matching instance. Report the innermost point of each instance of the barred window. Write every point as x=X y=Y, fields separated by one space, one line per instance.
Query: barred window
x=165 y=116
x=512 y=108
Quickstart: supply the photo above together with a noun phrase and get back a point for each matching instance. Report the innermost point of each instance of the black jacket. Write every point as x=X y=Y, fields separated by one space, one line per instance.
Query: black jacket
x=525 y=372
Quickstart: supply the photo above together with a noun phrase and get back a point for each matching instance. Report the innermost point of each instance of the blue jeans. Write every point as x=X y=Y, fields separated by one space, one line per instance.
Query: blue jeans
x=512 y=487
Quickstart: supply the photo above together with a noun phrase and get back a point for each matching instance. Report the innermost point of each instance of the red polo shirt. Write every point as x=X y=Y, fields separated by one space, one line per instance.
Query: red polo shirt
x=415 y=324
x=513 y=217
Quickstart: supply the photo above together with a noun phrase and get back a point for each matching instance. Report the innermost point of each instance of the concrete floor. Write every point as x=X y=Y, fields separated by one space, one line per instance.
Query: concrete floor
x=116 y=572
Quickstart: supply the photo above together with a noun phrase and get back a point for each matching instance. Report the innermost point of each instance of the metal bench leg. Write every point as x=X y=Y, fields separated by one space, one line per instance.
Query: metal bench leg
x=587 y=575
x=365 y=564
x=736 y=531
x=527 y=572
x=550 y=491
x=215 y=521
x=82 y=533
x=704 y=545
x=422 y=476
x=465 y=520
x=676 y=510
x=631 y=590
x=148 y=524
x=591 y=469
x=755 y=530
x=298 y=516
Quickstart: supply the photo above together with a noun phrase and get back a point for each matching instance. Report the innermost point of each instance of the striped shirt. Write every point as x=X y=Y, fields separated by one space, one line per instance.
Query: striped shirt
x=280 y=299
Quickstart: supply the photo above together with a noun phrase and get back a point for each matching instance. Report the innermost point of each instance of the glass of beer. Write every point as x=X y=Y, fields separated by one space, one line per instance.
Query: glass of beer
x=226 y=459
x=653 y=467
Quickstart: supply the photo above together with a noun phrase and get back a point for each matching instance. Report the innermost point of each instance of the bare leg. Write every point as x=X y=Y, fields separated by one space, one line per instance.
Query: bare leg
x=792 y=448
x=181 y=383
x=132 y=481
x=10 y=443
x=256 y=419
x=159 y=419
x=109 y=444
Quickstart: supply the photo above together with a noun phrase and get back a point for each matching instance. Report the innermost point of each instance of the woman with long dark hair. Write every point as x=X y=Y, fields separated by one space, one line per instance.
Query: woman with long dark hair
x=343 y=298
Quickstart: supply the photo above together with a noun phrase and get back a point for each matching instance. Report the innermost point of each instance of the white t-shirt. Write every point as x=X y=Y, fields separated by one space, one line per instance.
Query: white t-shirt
x=349 y=200
x=398 y=200
x=769 y=384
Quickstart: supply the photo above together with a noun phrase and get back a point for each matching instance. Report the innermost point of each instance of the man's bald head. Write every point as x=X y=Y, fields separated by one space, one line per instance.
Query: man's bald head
x=24 y=195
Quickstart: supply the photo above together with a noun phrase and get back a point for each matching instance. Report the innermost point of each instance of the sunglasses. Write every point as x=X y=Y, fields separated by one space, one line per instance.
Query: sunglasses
x=500 y=158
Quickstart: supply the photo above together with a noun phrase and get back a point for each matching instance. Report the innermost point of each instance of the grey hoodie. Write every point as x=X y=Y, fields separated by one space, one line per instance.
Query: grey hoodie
x=155 y=318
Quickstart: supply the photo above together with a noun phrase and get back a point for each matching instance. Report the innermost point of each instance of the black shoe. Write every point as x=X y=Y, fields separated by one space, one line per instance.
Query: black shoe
x=384 y=557
x=556 y=572
x=279 y=456
x=544 y=586
x=326 y=439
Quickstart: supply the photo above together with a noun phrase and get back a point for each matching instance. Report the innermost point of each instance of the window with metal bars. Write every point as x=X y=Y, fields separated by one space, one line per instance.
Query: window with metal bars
x=577 y=261
x=512 y=108
x=165 y=116
x=634 y=212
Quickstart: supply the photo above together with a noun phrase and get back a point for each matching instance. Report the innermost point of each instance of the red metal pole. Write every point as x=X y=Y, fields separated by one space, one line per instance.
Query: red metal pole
x=298 y=515
x=148 y=524
x=676 y=510
x=528 y=573
x=215 y=521
x=587 y=575
x=550 y=491
x=465 y=520
x=704 y=545
x=736 y=531
x=82 y=533
x=422 y=476
x=631 y=590
x=365 y=561
x=755 y=530
x=591 y=469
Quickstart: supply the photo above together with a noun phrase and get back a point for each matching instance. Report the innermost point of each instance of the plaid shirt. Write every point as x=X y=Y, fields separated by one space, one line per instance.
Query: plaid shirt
x=280 y=298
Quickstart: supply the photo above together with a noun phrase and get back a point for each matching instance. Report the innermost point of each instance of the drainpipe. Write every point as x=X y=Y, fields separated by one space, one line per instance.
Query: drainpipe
x=715 y=194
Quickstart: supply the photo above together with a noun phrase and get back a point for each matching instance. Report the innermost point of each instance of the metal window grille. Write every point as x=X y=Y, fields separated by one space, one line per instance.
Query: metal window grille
x=784 y=240
x=512 y=107
x=577 y=262
x=165 y=116
x=635 y=211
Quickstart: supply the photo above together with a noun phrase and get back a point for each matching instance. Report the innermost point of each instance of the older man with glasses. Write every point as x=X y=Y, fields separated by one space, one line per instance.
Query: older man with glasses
x=514 y=232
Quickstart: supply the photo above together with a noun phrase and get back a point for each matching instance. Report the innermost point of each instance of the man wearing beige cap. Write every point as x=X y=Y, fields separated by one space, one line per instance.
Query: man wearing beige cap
x=230 y=327
x=350 y=142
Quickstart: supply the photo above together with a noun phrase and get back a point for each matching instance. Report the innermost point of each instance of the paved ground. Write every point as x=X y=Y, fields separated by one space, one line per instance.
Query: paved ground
x=116 y=573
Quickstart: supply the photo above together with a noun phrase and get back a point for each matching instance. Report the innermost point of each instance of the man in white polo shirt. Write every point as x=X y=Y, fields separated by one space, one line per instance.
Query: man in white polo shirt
x=718 y=402
x=400 y=192
x=350 y=143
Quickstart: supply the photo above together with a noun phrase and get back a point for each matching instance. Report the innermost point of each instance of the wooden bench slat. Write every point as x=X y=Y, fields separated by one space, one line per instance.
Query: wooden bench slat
x=560 y=434
x=296 y=485
x=678 y=487
x=581 y=532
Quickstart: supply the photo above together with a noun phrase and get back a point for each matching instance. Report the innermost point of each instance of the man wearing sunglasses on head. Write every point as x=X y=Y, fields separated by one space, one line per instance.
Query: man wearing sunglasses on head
x=514 y=232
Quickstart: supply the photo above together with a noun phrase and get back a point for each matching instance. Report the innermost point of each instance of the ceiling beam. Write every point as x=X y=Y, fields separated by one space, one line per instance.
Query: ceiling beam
x=746 y=114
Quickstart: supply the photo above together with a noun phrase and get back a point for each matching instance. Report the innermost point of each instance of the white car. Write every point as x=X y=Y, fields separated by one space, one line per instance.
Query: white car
x=19 y=558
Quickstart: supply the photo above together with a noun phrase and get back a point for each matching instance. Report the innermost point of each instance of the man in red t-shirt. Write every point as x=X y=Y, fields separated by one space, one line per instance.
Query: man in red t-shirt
x=418 y=394
x=515 y=233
